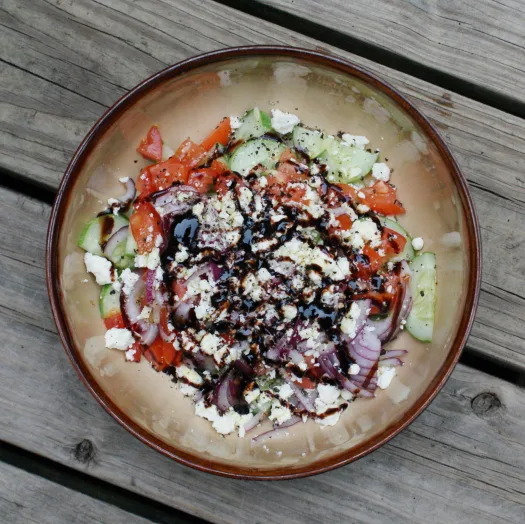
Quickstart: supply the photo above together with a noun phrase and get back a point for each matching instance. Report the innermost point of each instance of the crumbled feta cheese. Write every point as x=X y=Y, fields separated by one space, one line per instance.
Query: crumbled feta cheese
x=190 y=375
x=123 y=179
x=145 y=313
x=384 y=375
x=252 y=287
x=381 y=172
x=283 y=122
x=210 y=343
x=328 y=394
x=117 y=338
x=130 y=354
x=279 y=413
x=252 y=395
x=264 y=275
x=129 y=279
x=289 y=311
x=349 y=323
x=182 y=254
x=331 y=420
x=354 y=369
x=150 y=260
x=353 y=140
x=235 y=122
x=362 y=209
x=418 y=243
x=245 y=198
x=285 y=391
x=362 y=231
x=100 y=267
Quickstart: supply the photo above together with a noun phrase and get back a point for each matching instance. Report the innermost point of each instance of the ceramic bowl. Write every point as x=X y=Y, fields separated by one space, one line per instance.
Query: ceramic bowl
x=187 y=99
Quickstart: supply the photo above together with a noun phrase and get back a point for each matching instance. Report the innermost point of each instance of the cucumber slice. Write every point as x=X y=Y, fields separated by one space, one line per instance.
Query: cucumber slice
x=120 y=257
x=98 y=230
x=109 y=302
x=131 y=246
x=420 y=322
x=262 y=151
x=346 y=164
x=407 y=253
x=254 y=124
x=310 y=141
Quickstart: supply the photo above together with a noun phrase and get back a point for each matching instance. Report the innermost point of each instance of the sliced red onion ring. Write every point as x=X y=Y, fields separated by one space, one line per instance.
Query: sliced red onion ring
x=115 y=239
x=392 y=361
x=130 y=306
x=130 y=193
x=244 y=367
x=393 y=353
x=305 y=397
x=228 y=391
x=150 y=285
x=283 y=429
x=254 y=421
x=182 y=312
x=167 y=201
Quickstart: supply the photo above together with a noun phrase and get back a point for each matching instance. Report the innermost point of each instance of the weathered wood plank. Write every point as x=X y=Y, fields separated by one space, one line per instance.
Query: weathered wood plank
x=479 y=42
x=465 y=454
x=26 y=499
x=72 y=59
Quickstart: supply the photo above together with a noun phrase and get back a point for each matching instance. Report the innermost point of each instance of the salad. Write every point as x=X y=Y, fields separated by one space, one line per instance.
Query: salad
x=264 y=269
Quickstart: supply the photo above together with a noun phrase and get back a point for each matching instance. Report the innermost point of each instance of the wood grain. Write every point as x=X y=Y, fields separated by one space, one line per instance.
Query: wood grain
x=465 y=454
x=481 y=43
x=29 y=499
x=66 y=61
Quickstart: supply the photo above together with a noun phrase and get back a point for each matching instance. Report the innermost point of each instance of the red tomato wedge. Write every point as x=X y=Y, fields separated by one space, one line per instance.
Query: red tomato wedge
x=225 y=182
x=162 y=354
x=151 y=146
x=220 y=135
x=138 y=352
x=393 y=242
x=145 y=225
x=382 y=198
x=202 y=179
x=114 y=321
x=161 y=176
x=190 y=154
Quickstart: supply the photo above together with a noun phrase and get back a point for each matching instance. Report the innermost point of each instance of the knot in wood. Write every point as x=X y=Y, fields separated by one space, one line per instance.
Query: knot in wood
x=84 y=451
x=485 y=404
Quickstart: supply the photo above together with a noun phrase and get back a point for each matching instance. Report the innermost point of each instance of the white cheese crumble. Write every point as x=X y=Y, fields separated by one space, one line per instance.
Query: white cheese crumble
x=381 y=172
x=252 y=287
x=289 y=311
x=150 y=260
x=283 y=122
x=353 y=140
x=264 y=275
x=245 y=198
x=130 y=354
x=354 y=369
x=210 y=343
x=182 y=254
x=116 y=338
x=145 y=313
x=279 y=413
x=418 y=243
x=363 y=231
x=190 y=375
x=100 y=267
x=235 y=122
x=331 y=420
x=129 y=279
x=349 y=323
x=328 y=394
x=285 y=391
x=384 y=375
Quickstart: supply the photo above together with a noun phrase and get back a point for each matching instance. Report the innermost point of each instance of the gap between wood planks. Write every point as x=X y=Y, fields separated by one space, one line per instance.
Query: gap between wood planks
x=470 y=356
x=377 y=54
x=93 y=487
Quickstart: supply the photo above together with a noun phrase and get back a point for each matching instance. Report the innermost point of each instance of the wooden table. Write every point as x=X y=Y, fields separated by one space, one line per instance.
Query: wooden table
x=63 y=62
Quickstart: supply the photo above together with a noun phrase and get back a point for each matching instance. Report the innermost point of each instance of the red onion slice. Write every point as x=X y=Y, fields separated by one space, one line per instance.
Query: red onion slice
x=393 y=353
x=307 y=399
x=115 y=239
x=283 y=429
x=392 y=361
x=130 y=193
x=254 y=421
x=227 y=392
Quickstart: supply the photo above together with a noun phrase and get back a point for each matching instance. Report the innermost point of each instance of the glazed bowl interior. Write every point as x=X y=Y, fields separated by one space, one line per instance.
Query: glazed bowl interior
x=190 y=103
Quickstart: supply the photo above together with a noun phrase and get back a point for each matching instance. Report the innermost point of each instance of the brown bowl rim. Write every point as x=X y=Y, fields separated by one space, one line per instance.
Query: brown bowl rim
x=204 y=464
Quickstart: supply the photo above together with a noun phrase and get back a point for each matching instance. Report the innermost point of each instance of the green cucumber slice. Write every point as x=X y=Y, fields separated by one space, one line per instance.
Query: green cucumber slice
x=346 y=164
x=120 y=257
x=109 y=302
x=98 y=230
x=262 y=151
x=420 y=322
x=407 y=253
x=310 y=141
x=254 y=124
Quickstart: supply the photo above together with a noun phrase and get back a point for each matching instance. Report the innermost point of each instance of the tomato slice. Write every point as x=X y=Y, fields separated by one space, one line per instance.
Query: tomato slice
x=114 y=321
x=161 y=176
x=145 y=225
x=226 y=182
x=151 y=146
x=220 y=135
x=190 y=154
x=382 y=198
x=393 y=242
x=348 y=191
x=138 y=352
x=162 y=354
x=202 y=179
x=219 y=167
